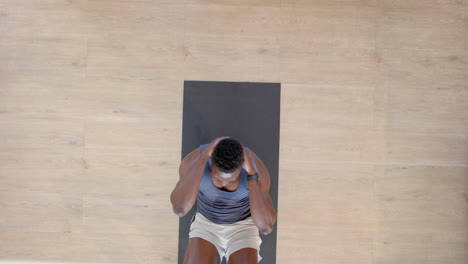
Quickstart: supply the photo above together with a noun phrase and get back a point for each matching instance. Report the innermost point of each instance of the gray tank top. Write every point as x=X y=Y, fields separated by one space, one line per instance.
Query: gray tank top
x=220 y=206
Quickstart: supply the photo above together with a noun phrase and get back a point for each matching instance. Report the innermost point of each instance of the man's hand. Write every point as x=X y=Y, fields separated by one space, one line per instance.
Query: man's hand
x=209 y=150
x=249 y=164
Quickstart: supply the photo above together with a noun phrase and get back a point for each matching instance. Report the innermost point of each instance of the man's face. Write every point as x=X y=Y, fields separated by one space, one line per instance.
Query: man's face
x=224 y=179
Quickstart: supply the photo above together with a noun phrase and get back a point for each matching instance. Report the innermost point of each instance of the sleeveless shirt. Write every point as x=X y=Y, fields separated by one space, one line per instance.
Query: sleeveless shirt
x=221 y=206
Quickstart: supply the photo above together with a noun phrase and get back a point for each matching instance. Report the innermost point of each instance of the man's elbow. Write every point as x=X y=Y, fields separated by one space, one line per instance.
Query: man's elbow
x=179 y=211
x=265 y=230
x=268 y=228
x=265 y=225
x=178 y=206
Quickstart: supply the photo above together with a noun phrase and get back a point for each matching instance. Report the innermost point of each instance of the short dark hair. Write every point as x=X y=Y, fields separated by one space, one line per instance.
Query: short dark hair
x=228 y=155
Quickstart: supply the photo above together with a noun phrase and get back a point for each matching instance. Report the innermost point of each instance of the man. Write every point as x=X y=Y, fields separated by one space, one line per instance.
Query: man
x=231 y=185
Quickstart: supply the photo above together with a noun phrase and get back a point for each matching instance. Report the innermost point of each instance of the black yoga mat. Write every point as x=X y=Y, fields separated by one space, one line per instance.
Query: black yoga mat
x=246 y=111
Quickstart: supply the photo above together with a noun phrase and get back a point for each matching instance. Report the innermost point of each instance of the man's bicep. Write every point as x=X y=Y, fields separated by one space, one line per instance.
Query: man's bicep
x=187 y=161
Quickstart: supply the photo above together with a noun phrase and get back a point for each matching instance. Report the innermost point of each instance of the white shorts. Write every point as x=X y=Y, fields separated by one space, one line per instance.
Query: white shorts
x=227 y=238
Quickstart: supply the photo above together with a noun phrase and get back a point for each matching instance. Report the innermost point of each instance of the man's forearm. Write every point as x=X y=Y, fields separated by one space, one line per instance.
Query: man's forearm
x=184 y=195
x=261 y=208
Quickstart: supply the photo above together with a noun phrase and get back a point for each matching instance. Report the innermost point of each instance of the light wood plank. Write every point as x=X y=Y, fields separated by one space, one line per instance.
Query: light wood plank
x=135 y=40
x=250 y=3
x=324 y=244
x=337 y=3
x=389 y=253
x=43 y=19
x=331 y=200
x=333 y=219
x=328 y=107
x=41 y=171
x=89 y=248
x=427 y=149
x=231 y=43
x=43 y=55
x=40 y=133
x=40 y=212
x=424 y=3
x=131 y=172
x=138 y=215
x=425 y=90
x=133 y=133
x=354 y=146
x=448 y=253
x=329 y=44
x=92 y=98
x=433 y=27
x=328 y=25
x=124 y=56
x=430 y=198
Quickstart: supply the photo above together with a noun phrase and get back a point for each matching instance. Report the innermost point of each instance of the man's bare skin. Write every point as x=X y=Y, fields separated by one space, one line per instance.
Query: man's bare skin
x=184 y=194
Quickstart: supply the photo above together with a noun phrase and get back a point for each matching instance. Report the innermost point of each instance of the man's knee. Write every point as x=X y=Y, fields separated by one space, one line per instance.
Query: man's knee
x=201 y=251
x=245 y=255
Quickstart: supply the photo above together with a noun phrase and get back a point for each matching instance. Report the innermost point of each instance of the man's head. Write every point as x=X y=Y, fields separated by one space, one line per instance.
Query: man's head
x=228 y=158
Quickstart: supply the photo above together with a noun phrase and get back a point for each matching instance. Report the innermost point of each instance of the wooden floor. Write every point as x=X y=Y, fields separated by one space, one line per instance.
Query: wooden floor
x=374 y=124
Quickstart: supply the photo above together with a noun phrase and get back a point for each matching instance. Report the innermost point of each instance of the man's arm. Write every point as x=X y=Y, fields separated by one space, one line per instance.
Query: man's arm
x=261 y=204
x=191 y=169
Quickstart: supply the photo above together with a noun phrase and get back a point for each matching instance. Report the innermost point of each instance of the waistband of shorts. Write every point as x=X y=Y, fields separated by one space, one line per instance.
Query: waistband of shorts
x=248 y=219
